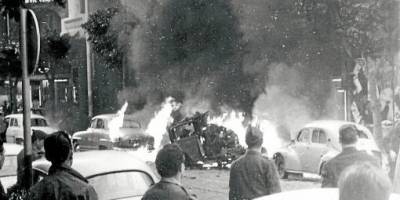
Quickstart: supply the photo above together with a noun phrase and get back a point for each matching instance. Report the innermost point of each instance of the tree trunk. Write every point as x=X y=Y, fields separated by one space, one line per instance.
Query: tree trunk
x=373 y=67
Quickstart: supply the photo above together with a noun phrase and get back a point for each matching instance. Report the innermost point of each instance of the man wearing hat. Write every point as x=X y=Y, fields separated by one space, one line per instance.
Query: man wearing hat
x=349 y=156
x=253 y=175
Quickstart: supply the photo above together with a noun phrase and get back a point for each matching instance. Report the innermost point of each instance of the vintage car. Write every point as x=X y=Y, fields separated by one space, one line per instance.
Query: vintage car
x=311 y=194
x=101 y=134
x=15 y=130
x=315 y=144
x=113 y=174
x=8 y=173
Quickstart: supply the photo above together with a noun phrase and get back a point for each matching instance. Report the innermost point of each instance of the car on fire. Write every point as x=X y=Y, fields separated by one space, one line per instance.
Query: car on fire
x=15 y=130
x=113 y=174
x=311 y=194
x=102 y=135
x=315 y=144
x=8 y=174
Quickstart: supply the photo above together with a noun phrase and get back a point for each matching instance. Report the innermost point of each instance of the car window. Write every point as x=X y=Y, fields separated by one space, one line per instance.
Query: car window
x=14 y=122
x=38 y=122
x=322 y=137
x=9 y=166
x=314 y=138
x=93 y=124
x=304 y=135
x=131 y=124
x=100 y=124
x=121 y=185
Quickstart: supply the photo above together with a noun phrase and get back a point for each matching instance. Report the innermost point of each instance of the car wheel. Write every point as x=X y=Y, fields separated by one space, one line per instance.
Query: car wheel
x=102 y=147
x=280 y=166
x=321 y=167
x=76 y=146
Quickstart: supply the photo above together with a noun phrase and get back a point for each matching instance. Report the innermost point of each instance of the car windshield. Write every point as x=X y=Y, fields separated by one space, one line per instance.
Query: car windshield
x=9 y=167
x=121 y=184
x=131 y=124
x=38 y=122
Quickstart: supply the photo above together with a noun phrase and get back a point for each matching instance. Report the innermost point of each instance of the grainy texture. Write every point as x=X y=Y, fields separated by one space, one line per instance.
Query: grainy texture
x=213 y=184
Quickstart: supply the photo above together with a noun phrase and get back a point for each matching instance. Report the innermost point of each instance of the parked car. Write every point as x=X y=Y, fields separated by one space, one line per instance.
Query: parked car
x=15 y=130
x=8 y=174
x=311 y=194
x=315 y=144
x=100 y=134
x=113 y=174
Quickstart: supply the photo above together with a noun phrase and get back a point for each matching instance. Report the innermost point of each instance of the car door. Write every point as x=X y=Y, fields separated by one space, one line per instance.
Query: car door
x=317 y=148
x=87 y=139
x=301 y=146
x=99 y=133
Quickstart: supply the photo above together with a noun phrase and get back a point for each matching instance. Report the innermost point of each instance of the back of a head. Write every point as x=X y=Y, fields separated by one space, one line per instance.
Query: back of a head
x=348 y=135
x=364 y=181
x=254 y=137
x=169 y=160
x=57 y=147
x=38 y=135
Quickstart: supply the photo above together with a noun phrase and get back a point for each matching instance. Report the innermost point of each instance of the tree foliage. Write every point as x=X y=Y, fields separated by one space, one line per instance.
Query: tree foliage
x=103 y=38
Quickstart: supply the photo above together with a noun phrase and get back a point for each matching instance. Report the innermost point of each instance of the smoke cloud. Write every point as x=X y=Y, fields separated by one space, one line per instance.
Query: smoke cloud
x=223 y=55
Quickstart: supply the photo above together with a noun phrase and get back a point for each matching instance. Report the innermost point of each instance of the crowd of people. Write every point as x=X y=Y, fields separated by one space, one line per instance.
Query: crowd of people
x=357 y=174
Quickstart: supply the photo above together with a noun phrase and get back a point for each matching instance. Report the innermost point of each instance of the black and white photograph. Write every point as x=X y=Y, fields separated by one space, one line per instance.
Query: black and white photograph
x=199 y=99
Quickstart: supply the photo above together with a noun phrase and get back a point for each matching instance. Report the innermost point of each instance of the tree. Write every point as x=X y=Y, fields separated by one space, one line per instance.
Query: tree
x=364 y=29
x=103 y=38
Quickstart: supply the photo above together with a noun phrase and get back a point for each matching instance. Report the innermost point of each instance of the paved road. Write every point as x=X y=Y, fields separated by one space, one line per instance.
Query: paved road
x=213 y=184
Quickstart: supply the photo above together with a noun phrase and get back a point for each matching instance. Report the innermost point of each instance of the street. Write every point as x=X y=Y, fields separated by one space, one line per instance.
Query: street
x=213 y=184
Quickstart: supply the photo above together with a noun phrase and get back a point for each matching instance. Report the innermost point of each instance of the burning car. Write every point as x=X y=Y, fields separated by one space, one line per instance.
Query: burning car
x=315 y=144
x=205 y=142
x=112 y=130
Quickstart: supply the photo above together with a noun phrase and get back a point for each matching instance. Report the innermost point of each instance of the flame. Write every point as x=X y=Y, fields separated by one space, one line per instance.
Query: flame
x=117 y=122
x=233 y=121
x=159 y=123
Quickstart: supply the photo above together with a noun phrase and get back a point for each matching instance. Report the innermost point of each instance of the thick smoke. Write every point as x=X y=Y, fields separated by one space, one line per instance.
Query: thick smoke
x=220 y=54
x=193 y=49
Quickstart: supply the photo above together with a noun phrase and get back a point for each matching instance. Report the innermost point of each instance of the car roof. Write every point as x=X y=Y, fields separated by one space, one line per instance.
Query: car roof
x=92 y=163
x=311 y=194
x=12 y=149
x=21 y=115
x=334 y=125
x=110 y=116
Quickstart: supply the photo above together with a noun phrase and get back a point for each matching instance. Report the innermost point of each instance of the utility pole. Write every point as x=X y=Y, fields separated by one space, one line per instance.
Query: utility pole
x=89 y=65
x=26 y=98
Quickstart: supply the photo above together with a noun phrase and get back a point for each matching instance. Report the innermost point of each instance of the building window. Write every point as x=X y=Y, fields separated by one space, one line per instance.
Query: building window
x=83 y=6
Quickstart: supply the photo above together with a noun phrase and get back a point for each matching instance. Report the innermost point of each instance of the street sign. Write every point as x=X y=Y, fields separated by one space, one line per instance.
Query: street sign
x=33 y=39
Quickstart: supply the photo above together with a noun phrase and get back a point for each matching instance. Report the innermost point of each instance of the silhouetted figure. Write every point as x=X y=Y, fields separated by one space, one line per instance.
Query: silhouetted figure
x=253 y=175
x=364 y=181
x=348 y=138
x=170 y=165
x=62 y=182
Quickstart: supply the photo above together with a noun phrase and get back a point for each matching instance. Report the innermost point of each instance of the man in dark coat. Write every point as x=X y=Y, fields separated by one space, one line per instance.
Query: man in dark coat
x=170 y=165
x=349 y=156
x=62 y=182
x=253 y=175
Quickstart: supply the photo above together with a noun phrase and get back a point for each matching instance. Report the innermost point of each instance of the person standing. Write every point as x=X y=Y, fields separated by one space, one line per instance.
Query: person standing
x=38 y=138
x=170 y=165
x=253 y=175
x=364 y=181
x=62 y=182
x=348 y=138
